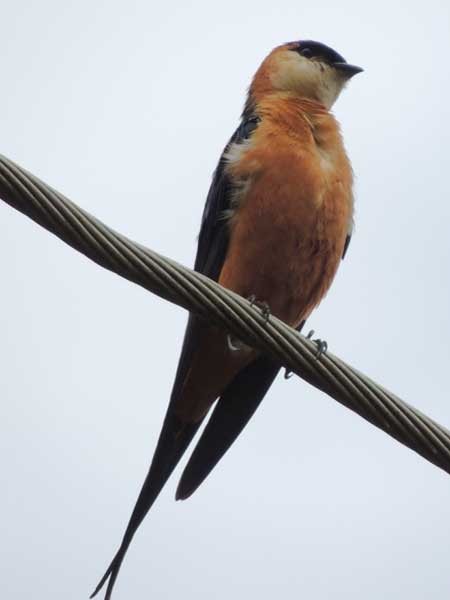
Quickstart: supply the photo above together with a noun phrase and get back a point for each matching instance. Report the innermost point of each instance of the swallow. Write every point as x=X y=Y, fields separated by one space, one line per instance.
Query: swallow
x=277 y=221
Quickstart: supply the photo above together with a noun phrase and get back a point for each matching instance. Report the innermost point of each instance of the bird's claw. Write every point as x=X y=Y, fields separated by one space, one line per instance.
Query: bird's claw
x=265 y=309
x=263 y=306
x=322 y=345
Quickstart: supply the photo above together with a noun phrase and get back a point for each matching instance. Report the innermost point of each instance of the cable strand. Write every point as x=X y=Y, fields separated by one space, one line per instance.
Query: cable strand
x=204 y=297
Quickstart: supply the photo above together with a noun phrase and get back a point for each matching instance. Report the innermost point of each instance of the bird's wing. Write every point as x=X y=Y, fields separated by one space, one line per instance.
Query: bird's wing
x=213 y=237
x=176 y=435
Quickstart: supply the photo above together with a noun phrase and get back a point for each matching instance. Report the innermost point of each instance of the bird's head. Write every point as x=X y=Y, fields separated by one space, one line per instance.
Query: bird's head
x=308 y=69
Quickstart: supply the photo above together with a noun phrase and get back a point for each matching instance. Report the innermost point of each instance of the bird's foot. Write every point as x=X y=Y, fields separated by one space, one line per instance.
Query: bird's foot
x=322 y=345
x=263 y=306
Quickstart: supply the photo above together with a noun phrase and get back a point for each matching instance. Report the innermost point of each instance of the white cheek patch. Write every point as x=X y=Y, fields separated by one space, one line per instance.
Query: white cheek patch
x=308 y=78
x=330 y=87
x=296 y=74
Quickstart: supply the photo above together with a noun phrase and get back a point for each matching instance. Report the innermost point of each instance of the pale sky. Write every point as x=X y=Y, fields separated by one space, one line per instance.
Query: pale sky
x=125 y=108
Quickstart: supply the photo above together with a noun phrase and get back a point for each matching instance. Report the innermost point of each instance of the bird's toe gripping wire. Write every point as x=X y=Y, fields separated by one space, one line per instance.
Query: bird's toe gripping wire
x=263 y=306
x=233 y=343
x=322 y=345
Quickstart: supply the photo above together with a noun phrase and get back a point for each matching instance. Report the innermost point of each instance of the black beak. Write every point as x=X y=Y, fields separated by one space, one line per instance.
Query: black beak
x=346 y=69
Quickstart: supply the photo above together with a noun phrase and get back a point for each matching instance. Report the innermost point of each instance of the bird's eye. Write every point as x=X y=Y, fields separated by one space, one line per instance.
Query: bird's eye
x=306 y=52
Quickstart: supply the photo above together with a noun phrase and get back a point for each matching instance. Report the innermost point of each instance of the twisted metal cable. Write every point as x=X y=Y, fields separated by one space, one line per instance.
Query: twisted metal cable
x=202 y=296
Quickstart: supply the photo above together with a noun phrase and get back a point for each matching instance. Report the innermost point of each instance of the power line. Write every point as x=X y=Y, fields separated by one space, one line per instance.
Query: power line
x=198 y=294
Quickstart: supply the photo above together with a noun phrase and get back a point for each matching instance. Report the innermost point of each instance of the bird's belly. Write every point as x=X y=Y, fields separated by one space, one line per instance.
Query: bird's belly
x=285 y=248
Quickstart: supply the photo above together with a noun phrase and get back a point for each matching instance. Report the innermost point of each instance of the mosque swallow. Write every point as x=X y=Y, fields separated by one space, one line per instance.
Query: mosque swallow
x=277 y=221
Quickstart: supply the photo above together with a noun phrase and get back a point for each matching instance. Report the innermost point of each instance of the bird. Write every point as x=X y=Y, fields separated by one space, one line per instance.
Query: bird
x=277 y=221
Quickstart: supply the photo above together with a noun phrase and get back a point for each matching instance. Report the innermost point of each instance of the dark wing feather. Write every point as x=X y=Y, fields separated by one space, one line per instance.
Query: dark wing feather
x=175 y=436
x=213 y=237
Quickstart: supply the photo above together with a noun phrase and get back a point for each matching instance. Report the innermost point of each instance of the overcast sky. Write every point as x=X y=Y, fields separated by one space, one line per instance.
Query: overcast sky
x=125 y=108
